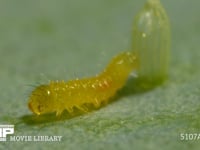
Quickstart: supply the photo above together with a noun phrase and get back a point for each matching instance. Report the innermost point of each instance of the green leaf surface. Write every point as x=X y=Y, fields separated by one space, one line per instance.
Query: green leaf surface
x=49 y=40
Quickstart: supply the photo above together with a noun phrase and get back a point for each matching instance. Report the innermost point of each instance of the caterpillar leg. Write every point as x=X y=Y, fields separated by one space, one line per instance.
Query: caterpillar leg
x=96 y=103
x=70 y=109
x=82 y=108
x=59 y=112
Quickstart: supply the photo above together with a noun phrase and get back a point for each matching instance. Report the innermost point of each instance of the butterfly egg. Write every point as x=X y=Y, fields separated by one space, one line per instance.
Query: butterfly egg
x=151 y=42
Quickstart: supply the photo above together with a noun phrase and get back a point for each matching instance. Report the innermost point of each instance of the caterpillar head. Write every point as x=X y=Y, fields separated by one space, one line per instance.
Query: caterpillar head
x=40 y=101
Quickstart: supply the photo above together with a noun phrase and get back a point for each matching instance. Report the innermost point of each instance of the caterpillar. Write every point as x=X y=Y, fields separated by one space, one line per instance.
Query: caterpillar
x=58 y=96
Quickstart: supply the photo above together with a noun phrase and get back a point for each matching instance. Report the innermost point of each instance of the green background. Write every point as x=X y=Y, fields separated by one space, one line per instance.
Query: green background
x=48 y=39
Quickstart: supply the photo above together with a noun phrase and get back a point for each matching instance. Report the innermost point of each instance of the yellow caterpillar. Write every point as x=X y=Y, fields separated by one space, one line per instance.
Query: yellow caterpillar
x=57 y=96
